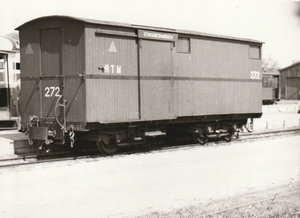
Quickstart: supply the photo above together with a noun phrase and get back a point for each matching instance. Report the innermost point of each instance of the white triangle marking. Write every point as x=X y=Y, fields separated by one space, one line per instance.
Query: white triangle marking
x=112 y=47
x=29 y=49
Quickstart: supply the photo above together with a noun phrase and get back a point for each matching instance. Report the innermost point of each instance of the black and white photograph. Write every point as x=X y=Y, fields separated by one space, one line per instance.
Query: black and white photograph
x=150 y=109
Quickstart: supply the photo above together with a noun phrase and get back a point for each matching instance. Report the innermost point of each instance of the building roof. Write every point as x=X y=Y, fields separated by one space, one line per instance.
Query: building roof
x=288 y=67
x=92 y=21
x=272 y=72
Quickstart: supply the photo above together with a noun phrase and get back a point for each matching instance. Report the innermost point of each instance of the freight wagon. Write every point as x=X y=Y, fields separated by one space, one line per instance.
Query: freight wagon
x=120 y=84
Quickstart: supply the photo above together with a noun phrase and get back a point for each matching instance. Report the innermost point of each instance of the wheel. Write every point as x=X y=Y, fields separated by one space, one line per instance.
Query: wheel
x=106 y=149
x=148 y=145
x=228 y=138
x=249 y=126
x=201 y=139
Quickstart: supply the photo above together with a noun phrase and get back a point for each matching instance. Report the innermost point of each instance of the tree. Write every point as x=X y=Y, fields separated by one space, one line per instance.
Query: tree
x=14 y=35
x=268 y=64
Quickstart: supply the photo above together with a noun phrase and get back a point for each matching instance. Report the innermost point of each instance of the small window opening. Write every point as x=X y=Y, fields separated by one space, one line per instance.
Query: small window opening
x=184 y=45
x=254 y=52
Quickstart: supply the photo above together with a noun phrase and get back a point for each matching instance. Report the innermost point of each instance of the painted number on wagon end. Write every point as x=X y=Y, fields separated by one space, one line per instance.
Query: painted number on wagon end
x=52 y=91
x=255 y=75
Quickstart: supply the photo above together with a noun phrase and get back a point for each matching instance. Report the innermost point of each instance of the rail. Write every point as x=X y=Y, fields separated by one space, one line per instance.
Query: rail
x=161 y=147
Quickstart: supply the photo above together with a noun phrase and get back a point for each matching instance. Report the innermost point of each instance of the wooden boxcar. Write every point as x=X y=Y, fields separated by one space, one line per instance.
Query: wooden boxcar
x=120 y=84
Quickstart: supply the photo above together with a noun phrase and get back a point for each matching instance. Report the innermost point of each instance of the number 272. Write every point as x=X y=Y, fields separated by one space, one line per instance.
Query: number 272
x=52 y=91
x=254 y=75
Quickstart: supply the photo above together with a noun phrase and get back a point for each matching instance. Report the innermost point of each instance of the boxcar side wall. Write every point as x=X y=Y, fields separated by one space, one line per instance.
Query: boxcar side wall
x=133 y=78
x=73 y=70
x=112 y=84
x=214 y=78
x=157 y=80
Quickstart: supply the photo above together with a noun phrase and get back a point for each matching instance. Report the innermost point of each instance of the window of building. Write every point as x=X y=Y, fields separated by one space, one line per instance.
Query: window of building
x=254 y=52
x=2 y=61
x=184 y=45
x=16 y=66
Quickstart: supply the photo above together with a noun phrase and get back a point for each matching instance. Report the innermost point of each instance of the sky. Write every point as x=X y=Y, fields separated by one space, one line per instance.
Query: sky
x=275 y=22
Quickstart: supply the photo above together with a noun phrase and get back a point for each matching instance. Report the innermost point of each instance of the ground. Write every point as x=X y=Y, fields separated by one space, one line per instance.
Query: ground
x=280 y=201
x=159 y=181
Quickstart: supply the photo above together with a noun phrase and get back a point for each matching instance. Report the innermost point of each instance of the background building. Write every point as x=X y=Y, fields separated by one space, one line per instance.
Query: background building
x=9 y=81
x=290 y=82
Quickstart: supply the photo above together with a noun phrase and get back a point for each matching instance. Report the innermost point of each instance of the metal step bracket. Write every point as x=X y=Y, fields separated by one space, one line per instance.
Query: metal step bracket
x=154 y=133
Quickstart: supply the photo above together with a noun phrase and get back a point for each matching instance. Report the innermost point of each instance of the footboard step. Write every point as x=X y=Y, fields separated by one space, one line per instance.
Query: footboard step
x=154 y=133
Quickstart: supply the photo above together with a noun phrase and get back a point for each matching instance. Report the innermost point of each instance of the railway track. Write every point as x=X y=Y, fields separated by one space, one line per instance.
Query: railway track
x=182 y=143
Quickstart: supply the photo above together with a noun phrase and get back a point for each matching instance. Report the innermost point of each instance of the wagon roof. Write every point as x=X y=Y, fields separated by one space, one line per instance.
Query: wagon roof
x=117 y=24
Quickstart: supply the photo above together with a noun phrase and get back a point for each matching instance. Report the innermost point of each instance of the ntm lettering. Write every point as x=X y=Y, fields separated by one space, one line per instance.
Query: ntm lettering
x=112 y=69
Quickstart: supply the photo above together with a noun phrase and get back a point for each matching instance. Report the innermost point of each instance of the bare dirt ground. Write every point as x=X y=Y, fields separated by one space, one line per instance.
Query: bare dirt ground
x=280 y=201
x=155 y=182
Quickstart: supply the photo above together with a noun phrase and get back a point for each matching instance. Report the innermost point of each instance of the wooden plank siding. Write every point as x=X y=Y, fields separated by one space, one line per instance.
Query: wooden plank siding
x=219 y=79
x=30 y=72
x=157 y=82
x=112 y=90
x=73 y=65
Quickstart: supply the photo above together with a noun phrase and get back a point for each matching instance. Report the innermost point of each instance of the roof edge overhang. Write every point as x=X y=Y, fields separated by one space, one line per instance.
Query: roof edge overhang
x=110 y=23
x=274 y=72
